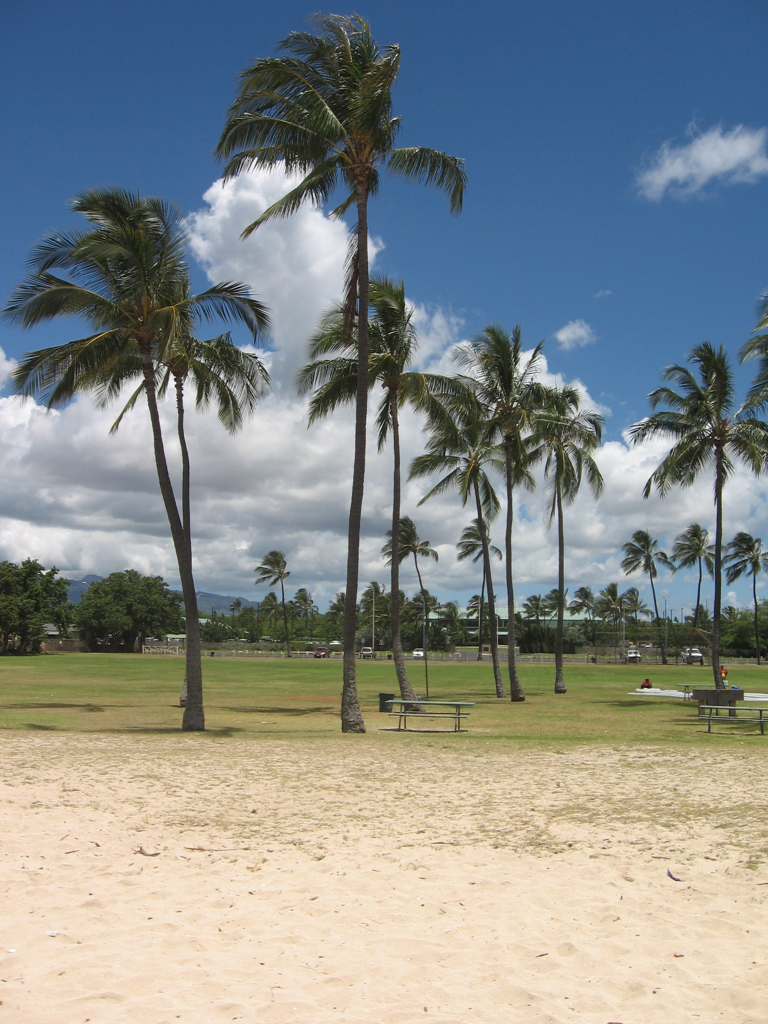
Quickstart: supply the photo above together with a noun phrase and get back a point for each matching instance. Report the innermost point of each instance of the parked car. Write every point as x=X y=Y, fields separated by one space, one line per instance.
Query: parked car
x=321 y=652
x=367 y=652
x=634 y=657
x=418 y=653
x=693 y=656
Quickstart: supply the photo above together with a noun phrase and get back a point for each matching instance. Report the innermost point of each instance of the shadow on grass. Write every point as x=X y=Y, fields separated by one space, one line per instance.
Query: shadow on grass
x=41 y=728
x=29 y=706
x=295 y=712
x=172 y=730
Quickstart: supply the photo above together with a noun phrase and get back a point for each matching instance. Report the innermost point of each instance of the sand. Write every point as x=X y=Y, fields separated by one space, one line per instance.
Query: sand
x=379 y=879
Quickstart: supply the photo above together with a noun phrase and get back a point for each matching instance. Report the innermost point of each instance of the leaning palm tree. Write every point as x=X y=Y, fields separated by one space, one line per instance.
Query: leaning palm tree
x=324 y=109
x=127 y=278
x=332 y=373
x=641 y=554
x=707 y=430
x=273 y=569
x=568 y=436
x=471 y=546
x=509 y=390
x=747 y=557
x=461 y=445
x=691 y=548
x=410 y=544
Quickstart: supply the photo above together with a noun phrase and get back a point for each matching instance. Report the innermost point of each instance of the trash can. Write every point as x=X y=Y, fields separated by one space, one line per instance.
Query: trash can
x=385 y=701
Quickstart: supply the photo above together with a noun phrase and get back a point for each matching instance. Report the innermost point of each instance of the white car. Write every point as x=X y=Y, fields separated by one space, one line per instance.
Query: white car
x=693 y=656
x=633 y=655
x=418 y=653
x=367 y=652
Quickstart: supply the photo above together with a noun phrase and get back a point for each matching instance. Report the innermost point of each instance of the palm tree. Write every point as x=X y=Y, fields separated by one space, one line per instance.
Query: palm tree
x=273 y=569
x=336 y=607
x=583 y=603
x=509 y=390
x=471 y=546
x=268 y=607
x=642 y=553
x=235 y=607
x=462 y=445
x=747 y=557
x=324 y=110
x=706 y=428
x=635 y=606
x=332 y=372
x=304 y=605
x=450 y=615
x=411 y=544
x=127 y=278
x=691 y=548
x=610 y=606
x=533 y=608
x=568 y=436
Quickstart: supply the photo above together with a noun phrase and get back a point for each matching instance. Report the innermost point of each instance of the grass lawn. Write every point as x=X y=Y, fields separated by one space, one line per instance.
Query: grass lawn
x=273 y=698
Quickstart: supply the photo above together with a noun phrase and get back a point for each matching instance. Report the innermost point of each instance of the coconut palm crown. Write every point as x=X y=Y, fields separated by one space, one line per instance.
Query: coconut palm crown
x=747 y=557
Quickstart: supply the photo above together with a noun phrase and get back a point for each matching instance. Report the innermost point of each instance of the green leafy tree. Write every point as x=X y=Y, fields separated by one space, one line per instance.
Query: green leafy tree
x=272 y=570
x=127 y=277
x=461 y=445
x=707 y=431
x=691 y=548
x=324 y=109
x=126 y=607
x=568 y=436
x=747 y=557
x=641 y=554
x=332 y=373
x=509 y=391
x=471 y=546
x=30 y=598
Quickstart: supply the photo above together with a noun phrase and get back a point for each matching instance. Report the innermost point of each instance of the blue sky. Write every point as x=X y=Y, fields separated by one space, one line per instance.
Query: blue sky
x=557 y=108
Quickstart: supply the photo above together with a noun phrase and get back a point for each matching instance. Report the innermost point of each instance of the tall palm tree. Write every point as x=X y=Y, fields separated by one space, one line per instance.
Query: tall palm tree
x=634 y=606
x=304 y=605
x=332 y=372
x=410 y=544
x=568 y=436
x=273 y=569
x=747 y=557
x=610 y=606
x=127 y=277
x=583 y=603
x=642 y=553
x=471 y=546
x=509 y=390
x=707 y=429
x=324 y=109
x=691 y=548
x=461 y=445
x=268 y=607
x=235 y=607
x=336 y=607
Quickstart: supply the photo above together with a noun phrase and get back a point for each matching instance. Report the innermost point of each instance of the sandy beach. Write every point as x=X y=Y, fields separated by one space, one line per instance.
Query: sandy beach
x=379 y=879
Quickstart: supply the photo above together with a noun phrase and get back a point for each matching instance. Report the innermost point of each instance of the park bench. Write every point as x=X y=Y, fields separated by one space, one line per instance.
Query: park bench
x=732 y=714
x=408 y=707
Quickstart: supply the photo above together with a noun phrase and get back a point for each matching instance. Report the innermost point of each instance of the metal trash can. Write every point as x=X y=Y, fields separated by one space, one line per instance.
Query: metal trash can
x=385 y=701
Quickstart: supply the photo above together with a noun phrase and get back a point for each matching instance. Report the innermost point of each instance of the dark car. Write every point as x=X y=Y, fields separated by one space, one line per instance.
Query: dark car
x=321 y=652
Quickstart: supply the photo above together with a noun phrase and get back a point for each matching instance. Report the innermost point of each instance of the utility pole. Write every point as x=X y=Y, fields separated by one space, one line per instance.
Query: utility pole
x=373 y=622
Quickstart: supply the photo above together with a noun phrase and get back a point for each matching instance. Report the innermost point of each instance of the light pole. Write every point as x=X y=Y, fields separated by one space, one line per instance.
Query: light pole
x=373 y=620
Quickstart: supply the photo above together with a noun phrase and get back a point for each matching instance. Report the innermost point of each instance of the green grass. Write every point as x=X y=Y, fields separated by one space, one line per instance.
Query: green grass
x=275 y=698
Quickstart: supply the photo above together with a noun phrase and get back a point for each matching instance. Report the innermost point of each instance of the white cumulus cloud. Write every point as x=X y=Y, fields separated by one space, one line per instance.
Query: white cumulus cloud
x=575 y=334
x=730 y=157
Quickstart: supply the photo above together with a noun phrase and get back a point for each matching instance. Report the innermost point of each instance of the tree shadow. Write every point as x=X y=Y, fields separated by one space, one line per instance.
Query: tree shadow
x=294 y=712
x=34 y=705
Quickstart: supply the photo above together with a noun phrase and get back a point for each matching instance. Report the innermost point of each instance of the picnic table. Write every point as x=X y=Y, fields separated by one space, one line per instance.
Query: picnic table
x=407 y=707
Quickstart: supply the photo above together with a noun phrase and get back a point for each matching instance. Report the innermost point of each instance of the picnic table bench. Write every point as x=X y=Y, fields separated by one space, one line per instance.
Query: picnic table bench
x=408 y=707
x=733 y=714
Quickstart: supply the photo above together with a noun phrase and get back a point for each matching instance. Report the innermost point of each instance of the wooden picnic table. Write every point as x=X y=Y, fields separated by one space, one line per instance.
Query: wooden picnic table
x=406 y=707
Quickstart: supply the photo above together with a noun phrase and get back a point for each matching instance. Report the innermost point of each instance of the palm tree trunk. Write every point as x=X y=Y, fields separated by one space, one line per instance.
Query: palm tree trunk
x=757 y=631
x=185 y=502
x=425 y=626
x=658 y=622
x=500 y=691
x=698 y=599
x=194 y=716
x=406 y=690
x=480 y=618
x=560 y=686
x=285 y=622
x=515 y=687
x=719 y=684
x=351 y=716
